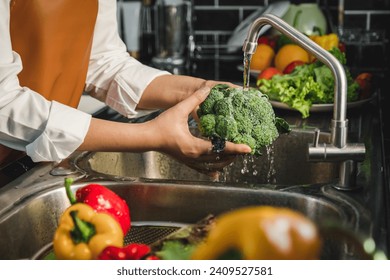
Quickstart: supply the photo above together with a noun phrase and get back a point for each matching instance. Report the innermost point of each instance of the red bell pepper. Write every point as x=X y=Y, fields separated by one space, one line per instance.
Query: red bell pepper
x=132 y=251
x=365 y=82
x=268 y=73
x=102 y=200
x=290 y=67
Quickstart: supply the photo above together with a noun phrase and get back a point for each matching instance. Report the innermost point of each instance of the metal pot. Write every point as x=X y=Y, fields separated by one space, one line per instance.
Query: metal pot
x=173 y=25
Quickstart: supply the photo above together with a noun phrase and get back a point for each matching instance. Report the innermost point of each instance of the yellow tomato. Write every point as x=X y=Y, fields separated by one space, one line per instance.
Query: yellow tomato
x=289 y=53
x=262 y=58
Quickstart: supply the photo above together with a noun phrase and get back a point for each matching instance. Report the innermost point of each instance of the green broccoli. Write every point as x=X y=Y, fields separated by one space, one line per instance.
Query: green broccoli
x=226 y=127
x=244 y=122
x=208 y=125
x=247 y=139
x=265 y=133
x=224 y=107
x=216 y=93
x=240 y=116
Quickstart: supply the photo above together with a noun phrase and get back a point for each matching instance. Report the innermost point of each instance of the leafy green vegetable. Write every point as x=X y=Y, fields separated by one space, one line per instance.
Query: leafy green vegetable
x=175 y=250
x=240 y=116
x=50 y=256
x=180 y=244
x=308 y=84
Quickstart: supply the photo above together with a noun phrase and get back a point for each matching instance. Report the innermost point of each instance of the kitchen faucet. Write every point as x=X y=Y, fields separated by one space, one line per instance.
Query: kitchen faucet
x=348 y=154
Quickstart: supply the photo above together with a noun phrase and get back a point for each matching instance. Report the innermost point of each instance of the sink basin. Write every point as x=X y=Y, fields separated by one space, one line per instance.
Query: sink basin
x=29 y=225
x=284 y=163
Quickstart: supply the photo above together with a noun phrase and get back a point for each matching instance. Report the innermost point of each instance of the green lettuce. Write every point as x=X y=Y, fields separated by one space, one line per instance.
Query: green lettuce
x=308 y=84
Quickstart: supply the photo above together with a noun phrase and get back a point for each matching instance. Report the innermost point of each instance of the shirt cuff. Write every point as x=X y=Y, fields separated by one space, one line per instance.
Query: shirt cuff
x=124 y=92
x=64 y=133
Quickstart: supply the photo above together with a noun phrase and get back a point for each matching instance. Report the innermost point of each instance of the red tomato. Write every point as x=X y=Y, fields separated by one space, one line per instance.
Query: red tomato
x=290 y=67
x=342 y=47
x=365 y=81
x=268 y=73
x=267 y=40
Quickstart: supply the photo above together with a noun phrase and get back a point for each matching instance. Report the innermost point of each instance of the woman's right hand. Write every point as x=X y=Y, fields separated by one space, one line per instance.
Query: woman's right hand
x=174 y=138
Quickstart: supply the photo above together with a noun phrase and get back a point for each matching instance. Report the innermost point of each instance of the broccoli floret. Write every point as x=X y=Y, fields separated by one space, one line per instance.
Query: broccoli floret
x=240 y=116
x=265 y=133
x=226 y=127
x=266 y=113
x=224 y=107
x=207 y=125
x=249 y=140
x=238 y=100
x=207 y=106
x=244 y=122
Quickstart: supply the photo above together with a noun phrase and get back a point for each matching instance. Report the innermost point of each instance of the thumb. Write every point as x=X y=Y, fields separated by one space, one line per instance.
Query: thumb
x=194 y=99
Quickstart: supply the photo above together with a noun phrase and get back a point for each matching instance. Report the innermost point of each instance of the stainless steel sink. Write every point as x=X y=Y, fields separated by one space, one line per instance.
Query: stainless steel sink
x=161 y=191
x=284 y=163
x=29 y=225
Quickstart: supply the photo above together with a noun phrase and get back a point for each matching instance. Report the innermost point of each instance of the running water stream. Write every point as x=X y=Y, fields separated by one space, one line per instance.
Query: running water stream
x=247 y=70
x=249 y=162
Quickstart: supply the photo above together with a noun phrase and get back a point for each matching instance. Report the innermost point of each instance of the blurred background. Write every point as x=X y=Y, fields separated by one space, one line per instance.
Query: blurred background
x=212 y=22
x=194 y=37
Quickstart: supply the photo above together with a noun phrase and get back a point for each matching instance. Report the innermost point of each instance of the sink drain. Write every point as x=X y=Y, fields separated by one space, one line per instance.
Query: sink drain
x=148 y=234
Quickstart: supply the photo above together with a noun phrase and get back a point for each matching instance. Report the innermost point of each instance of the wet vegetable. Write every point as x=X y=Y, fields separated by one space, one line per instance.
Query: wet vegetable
x=102 y=200
x=240 y=116
x=83 y=233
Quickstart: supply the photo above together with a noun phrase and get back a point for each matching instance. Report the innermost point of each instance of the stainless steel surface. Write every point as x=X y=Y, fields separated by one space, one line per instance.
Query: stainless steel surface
x=30 y=224
x=331 y=153
x=339 y=123
x=171 y=28
x=174 y=34
x=284 y=163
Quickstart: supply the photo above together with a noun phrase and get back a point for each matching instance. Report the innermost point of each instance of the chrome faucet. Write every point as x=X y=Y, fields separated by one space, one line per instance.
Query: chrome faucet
x=338 y=150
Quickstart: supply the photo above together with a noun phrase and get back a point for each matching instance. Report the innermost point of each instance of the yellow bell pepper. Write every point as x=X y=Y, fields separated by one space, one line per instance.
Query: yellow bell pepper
x=328 y=41
x=261 y=232
x=83 y=234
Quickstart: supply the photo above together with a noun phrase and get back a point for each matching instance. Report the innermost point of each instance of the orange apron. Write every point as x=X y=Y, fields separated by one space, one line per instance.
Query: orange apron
x=54 y=40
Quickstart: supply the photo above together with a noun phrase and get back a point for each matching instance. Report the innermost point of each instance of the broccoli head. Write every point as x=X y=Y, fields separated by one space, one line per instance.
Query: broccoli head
x=240 y=116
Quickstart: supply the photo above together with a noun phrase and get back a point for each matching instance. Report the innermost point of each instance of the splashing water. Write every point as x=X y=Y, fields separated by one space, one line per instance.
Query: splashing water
x=271 y=168
x=245 y=168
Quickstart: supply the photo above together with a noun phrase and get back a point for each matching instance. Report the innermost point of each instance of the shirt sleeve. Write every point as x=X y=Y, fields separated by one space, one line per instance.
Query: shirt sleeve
x=114 y=77
x=46 y=131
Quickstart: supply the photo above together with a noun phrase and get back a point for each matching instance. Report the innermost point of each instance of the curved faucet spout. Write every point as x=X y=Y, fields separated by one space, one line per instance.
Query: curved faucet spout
x=340 y=87
x=339 y=123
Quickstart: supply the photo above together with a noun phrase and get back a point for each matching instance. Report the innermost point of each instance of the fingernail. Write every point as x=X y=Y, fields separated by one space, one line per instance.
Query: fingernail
x=248 y=149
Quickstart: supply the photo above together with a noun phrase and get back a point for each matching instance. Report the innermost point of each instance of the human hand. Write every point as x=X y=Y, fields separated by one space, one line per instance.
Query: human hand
x=174 y=138
x=211 y=83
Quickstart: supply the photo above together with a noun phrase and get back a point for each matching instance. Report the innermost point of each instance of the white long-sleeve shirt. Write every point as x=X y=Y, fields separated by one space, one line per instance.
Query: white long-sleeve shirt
x=50 y=131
